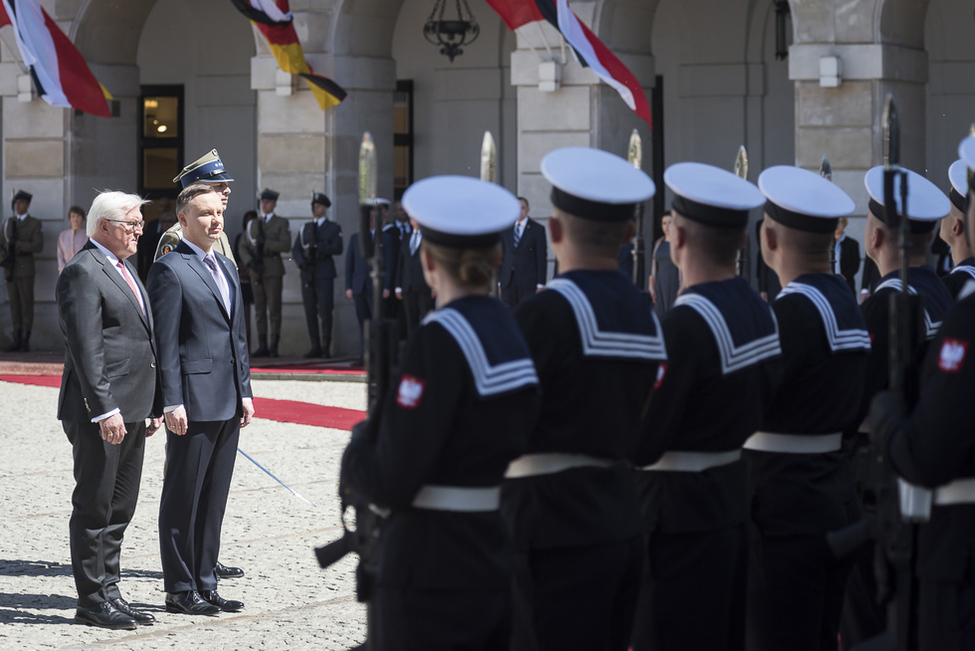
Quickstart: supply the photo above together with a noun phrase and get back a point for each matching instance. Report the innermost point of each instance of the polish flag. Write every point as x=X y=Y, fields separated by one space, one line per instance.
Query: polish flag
x=59 y=72
x=591 y=52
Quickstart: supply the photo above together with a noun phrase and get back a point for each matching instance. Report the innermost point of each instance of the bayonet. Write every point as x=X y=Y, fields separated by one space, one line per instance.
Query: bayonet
x=489 y=159
x=741 y=163
x=367 y=193
x=634 y=152
x=825 y=169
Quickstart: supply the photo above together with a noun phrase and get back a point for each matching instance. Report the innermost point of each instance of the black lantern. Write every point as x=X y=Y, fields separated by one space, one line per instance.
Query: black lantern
x=451 y=33
x=781 y=18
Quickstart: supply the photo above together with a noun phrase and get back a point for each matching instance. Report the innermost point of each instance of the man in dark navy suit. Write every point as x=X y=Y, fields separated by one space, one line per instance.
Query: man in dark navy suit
x=411 y=287
x=358 y=284
x=202 y=343
x=525 y=257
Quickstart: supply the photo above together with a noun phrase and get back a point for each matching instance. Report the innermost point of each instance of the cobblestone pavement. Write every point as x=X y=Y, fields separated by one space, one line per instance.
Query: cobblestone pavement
x=290 y=602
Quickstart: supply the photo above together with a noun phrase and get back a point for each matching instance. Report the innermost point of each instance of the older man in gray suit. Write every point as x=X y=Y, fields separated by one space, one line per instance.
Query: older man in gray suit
x=108 y=389
x=202 y=343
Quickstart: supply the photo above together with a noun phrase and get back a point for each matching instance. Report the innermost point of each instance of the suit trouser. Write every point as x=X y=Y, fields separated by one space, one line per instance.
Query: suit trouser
x=199 y=467
x=318 y=296
x=796 y=590
x=513 y=296
x=693 y=597
x=410 y=619
x=106 y=491
x=363 y=310
x=577 y=597
x=21 y=293
x=267 y=300
x=415 y=306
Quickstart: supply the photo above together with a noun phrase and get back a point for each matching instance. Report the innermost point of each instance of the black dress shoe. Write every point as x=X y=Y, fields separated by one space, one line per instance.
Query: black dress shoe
x=104 y=615
x=189 y=603
x=141 y=618
x=224 y=572
x=229 y=605
x=314 y=353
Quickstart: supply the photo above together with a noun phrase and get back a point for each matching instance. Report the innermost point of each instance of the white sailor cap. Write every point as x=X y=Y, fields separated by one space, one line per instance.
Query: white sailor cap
x=966 y=151
x=926 y=203
x=958 y=175
x=803 y=200
x=711 y=195
x=460 y=211
x=595 y=184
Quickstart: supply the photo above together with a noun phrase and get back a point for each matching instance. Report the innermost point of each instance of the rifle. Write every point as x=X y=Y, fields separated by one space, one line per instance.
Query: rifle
x=9 y=260
x=897 y=504
x=381 y=344
x=635 y=157
x=741 y=171
x=826 y=171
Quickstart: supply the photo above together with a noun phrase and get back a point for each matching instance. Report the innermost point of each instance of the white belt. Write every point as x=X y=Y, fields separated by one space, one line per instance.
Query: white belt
x=549 y=463
x=794 y=443
x=458 y=498
x=693 y=461
x=960 y=491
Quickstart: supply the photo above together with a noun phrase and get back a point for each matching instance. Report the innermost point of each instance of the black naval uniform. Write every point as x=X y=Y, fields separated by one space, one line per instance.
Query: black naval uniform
x=467 y=397
x=958 y=277
x=571 y=503
x=802 y=483
x=722 y=343
x=935 y=447
x=312 y=252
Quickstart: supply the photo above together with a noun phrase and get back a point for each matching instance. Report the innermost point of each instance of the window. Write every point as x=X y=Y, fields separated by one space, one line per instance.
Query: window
x=402 y=136
x=160 y=140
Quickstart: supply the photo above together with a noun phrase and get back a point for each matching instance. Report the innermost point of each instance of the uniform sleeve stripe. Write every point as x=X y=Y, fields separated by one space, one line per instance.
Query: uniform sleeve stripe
x=733 y=358
x=489 y=380
x=839 y=340
x=599 y=343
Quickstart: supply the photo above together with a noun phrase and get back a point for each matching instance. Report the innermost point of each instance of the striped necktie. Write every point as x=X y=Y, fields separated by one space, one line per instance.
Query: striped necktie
x=414 y=242
x=518 y=228
x=131 y=283
x=220 y=280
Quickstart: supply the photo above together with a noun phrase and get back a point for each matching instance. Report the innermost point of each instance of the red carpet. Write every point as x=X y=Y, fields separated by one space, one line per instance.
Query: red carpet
x=283 y=411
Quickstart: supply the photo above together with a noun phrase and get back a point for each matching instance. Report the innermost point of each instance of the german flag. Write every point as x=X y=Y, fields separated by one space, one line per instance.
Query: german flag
x=274 y=21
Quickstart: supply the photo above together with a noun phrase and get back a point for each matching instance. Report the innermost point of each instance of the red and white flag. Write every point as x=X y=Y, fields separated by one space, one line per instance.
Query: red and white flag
x=59 y=71
x=591 y=51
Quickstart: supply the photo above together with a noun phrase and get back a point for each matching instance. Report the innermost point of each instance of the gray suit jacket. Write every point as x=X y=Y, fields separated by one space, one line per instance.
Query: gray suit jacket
x=202 y=349
x=111 y=357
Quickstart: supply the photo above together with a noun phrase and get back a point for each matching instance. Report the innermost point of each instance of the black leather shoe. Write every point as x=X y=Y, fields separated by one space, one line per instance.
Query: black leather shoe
x=189 y=603
x=224 y=572
x=141 y=618
x=314 y=353
x=229 y=605
x=104 y=615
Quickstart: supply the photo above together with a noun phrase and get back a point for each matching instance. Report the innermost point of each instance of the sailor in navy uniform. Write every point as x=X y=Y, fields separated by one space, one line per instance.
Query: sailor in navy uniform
x=802 y=483
x=863 y=617
x=935 y=447
x=953 y=231
x=722 y=349
x=571 y=502
x=465 y=399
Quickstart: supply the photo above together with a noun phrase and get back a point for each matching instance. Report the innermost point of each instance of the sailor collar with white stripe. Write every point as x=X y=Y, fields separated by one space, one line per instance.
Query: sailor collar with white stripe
x=931 y=327
x=803 y=200
x=461 y=211
x=710 y=195
x=604 y=343
x=595 y=184
x=926 y=204
x=736 y=349
x=843 y=333
x=489 y=379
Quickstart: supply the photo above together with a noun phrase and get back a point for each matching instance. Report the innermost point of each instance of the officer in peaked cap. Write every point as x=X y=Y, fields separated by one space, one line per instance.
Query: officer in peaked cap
x=571 y=502
x=801 y=480
x=20 y=239
x=953 y=230
x=266 y=238
x=314 y=246
x=722 y=349
x=935 y=447
x=863 y=617
x=465 y=398
x=389 y=241
x=209 y=169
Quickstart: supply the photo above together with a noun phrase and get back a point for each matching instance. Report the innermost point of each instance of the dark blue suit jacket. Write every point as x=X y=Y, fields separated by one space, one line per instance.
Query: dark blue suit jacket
x=409 y=272
x=524 y=267
x=357 y=269
x=202 y=349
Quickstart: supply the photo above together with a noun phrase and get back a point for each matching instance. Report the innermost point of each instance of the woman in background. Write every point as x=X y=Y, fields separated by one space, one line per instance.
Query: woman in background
x=70 y=241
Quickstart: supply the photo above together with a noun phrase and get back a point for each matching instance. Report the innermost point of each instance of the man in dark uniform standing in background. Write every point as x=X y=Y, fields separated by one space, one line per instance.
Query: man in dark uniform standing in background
x=318 y=241
x=523 y=267
x=846 y=255
x=358 y=283
x=953 y=231
x=935 y=447
x=20 y=239
x=411 y=287
x=571 y=501
x=269 y=236
x=389 y=243
x=802 y=481
x=722 y=343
